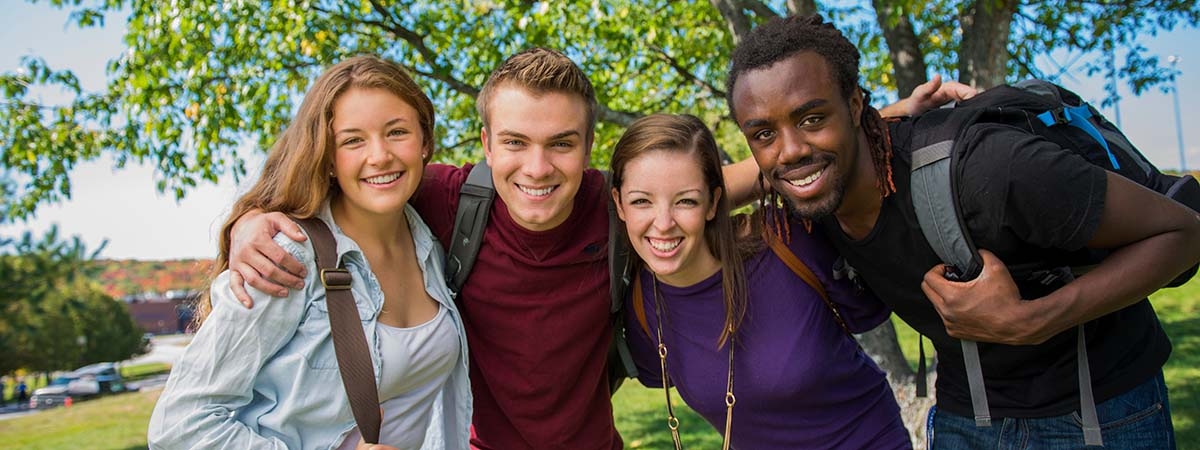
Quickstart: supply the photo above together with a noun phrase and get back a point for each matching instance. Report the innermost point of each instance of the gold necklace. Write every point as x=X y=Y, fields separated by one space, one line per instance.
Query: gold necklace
x=730 y=399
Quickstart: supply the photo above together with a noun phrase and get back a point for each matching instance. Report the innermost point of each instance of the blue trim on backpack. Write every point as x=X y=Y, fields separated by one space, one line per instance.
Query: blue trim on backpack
x=1077 y=116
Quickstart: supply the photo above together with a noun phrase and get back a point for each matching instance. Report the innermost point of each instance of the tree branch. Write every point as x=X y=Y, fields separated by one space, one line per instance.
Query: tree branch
x=687 y=74
x=417 y=41
x=735 y=18
x=622 y=118
x=802 y=7
x=761 y=9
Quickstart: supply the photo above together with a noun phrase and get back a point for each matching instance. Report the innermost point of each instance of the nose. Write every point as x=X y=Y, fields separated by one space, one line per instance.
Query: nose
x=378 y=153
x=793 y=146
x=537 y=164
x=664 y=220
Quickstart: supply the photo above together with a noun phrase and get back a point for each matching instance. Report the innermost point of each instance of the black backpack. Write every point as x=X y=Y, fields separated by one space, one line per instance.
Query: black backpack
x=1059 y=115
x=474 y=204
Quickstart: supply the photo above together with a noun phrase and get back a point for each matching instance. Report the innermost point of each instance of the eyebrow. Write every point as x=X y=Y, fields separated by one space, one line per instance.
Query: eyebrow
x=799 y=111
x=562 y=135
x=385 y=125
x=689 y=191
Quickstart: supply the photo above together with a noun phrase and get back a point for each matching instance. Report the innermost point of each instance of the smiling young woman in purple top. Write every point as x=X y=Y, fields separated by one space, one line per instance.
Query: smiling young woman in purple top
x=797 y=380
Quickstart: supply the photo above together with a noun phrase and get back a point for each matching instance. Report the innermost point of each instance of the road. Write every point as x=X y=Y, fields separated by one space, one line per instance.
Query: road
x=163 y=349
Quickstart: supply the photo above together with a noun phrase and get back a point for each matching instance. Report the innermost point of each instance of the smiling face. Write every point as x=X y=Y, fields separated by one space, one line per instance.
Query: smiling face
x=803 y=133
x=378 y=146
x=666 y=216
x=537 y=145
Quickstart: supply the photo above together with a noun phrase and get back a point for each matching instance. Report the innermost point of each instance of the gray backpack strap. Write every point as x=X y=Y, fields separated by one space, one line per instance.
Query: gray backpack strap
x=474 y=205
x=620 y=359
x=935 y=205
x=1087 y=401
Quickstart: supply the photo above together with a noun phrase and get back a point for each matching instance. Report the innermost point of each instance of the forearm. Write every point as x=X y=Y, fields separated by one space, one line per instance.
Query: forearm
x=741 y=182
x=1124 y=278
x=203 y=429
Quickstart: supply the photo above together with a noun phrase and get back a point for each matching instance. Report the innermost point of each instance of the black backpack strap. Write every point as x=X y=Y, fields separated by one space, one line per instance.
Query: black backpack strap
x=620 y=360
x=474 y=205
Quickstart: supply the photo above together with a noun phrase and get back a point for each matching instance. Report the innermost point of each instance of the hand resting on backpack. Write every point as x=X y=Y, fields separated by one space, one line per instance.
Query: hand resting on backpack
x=1152 y=239
x=256 y=259
x=929 y=95
x=986 y=309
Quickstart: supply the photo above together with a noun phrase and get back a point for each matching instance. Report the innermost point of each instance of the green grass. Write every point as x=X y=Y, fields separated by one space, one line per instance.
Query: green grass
x=116 y=422
x=1179 y=311
x=641 y=417
x=139 y=371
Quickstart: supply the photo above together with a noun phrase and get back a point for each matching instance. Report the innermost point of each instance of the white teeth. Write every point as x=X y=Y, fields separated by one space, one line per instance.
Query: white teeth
x=383 y=179
x=536 y=192
x=807 y=180
x=665 y=246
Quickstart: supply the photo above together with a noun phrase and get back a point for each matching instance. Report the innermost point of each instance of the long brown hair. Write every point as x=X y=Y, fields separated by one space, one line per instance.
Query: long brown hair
x=688 y=135
x=295 y=178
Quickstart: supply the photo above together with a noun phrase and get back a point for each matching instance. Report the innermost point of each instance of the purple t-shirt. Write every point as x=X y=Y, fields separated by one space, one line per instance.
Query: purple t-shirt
x=800 y=382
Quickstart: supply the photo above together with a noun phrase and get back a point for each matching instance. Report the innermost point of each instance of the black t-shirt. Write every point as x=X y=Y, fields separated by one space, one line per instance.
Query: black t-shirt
x=1025 y=199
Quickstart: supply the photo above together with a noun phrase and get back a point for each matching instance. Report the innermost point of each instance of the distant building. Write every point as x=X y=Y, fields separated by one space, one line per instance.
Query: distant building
x=163 y=314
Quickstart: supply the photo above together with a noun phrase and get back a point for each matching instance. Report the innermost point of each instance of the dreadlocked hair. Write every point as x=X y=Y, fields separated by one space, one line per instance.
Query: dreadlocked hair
x=880 y=142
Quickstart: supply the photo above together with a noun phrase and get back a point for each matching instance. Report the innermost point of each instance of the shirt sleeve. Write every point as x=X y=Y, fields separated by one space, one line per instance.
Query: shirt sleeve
x=215 y=375
x=436 y=200
x=1015 y=185
x=859 y=307
x=641 y=346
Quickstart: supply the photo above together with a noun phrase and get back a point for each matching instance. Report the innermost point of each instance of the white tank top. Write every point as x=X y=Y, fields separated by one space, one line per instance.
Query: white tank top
x=417 y=361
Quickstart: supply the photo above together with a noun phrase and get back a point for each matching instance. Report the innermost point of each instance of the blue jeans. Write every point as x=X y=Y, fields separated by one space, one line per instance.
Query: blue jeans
x=1137 y=419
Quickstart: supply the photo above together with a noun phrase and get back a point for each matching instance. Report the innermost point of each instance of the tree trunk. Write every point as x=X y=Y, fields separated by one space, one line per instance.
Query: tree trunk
x=908 y=61
x=735 y=18
x=983 y=56
x=801 y=7
x=882 y=346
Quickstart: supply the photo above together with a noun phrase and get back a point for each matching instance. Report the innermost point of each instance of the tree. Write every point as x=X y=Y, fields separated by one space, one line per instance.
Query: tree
x=52 y=316
x=201 y=77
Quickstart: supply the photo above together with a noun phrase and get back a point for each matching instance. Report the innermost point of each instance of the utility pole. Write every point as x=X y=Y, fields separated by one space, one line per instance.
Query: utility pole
x=1174 y=59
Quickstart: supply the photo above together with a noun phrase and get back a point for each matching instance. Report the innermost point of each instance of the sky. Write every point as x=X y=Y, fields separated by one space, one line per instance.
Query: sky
x=123 y=206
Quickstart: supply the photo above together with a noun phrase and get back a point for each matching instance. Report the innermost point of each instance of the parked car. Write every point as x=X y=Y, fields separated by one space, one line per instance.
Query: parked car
x=80 y=384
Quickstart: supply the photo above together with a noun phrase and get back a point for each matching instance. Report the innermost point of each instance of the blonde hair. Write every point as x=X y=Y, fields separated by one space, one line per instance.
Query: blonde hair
x=295 y=178
x=539 y=70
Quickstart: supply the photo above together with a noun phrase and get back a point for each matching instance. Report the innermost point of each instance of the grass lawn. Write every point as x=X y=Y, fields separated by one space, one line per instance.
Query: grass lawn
x=116 y=422
x=119 y=422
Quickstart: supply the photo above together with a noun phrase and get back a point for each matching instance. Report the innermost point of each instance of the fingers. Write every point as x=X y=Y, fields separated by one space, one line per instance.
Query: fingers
x=260 y=273
x=239 y=291
x=928 y=89
x=271 y=261
x=280 y=222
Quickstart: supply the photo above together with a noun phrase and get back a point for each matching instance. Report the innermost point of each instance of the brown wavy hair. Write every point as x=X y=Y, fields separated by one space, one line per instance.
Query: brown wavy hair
x=295 y=177
x=688 y=135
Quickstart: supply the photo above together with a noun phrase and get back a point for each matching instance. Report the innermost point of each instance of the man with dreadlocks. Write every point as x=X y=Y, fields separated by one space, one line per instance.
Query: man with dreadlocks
x=793 y=90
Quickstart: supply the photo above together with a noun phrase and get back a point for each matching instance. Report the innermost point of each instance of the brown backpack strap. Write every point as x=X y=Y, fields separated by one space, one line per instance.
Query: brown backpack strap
x=639 y=308
x=801 y=270
x=349 y=340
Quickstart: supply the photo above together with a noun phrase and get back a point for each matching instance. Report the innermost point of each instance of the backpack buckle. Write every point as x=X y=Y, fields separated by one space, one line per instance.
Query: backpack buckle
x=1052 y=277
x=1059 y=116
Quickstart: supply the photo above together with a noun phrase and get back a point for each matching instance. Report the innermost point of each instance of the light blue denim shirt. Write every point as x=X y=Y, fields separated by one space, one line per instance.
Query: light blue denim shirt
x=267 y=377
